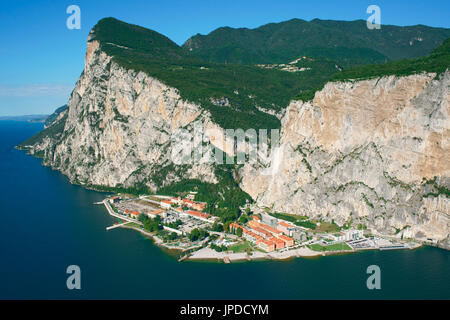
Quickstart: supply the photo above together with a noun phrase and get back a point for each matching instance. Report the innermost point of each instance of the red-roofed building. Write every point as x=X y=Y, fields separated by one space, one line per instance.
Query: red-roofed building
x=253 y=224
x=285 y=227
x=177 y=201
x=266 y=245
x=261 y=232
x=192 y=204
x=188 y=203
x=288 y=240
x=199 y=206
x=251 y=236
x=270 y=229
x=258 y=238
x=264 y=229
x=279 y=244
x=155 y=213
x=199 y=215
x=135 y=214
x=284 y=224
x=166 y=204
x=114 y=199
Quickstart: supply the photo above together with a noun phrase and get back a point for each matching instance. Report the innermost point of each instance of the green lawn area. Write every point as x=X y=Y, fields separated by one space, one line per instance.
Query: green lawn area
x=327 y=227
x=132 y=224
x=287 y=216
x=241 y=247
x=300 y=221
x=332 y=247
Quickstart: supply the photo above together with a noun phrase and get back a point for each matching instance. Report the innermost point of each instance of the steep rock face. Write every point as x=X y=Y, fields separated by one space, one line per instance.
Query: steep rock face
x=365 y=152
x=118 y=129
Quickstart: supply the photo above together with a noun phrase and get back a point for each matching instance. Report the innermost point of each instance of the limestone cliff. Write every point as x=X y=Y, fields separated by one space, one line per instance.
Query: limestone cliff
x=117 y=129
x=373 y=152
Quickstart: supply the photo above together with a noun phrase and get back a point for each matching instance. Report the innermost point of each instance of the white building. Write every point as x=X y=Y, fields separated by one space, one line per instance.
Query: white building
x=353 y=235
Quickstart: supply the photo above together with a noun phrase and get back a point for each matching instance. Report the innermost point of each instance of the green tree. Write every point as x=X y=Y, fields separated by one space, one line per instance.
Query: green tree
x=226 y=226
x=217 y=227
x=198 y=234
x=172 y=236
x=149 y=224
x=243 y=218
x=193 y=236
x=142 y=218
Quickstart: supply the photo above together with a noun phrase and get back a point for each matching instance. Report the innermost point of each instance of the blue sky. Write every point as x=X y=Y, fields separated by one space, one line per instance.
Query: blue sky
x=40 y=59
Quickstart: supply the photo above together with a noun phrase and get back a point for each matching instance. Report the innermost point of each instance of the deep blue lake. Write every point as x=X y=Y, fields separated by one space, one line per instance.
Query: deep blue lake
x=48 y=224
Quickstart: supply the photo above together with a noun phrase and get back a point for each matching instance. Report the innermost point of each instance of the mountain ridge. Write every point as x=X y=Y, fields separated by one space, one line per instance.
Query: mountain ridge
x=228 y=44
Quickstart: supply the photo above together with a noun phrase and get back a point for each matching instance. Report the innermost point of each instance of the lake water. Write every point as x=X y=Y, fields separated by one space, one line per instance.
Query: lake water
x=48 y=224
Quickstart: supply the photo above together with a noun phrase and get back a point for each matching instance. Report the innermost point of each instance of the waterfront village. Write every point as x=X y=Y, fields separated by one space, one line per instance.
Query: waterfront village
x=181 y=224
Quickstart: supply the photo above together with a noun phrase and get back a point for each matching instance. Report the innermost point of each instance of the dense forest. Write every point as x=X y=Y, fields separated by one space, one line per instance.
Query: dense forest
x=349 y=43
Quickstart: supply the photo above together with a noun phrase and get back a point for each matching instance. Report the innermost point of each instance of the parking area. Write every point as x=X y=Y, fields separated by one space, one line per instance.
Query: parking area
x=140 y=206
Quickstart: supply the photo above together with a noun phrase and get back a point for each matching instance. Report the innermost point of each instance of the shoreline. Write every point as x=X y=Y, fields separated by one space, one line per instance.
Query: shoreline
x=210 y=255
x=157 y=241
x=207 y=254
